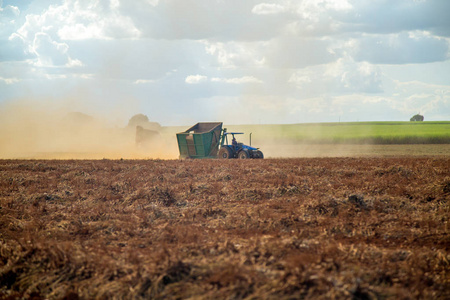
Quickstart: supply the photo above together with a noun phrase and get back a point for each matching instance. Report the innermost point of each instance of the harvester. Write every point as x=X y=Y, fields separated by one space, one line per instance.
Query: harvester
x=209 y=140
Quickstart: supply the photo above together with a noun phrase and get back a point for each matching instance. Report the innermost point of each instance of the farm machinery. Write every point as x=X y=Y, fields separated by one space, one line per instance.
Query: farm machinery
x=209 y=140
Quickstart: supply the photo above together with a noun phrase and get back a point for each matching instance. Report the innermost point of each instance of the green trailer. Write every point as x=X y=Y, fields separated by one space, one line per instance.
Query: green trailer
x=200 y=141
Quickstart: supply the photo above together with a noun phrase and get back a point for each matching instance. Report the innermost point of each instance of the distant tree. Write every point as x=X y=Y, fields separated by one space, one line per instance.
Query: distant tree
x=416 y=118
x=138 y=120
x=143 y=121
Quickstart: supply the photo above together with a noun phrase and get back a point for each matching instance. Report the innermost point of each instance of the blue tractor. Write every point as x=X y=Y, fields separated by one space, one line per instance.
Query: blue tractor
x=237 y=150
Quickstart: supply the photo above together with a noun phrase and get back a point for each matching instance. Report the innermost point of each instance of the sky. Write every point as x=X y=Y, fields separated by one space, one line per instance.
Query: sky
x=240 y=62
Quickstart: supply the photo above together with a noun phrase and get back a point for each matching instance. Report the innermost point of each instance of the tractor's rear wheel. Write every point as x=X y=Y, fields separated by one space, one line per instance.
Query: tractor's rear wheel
x=243 y=155
x=224 y=153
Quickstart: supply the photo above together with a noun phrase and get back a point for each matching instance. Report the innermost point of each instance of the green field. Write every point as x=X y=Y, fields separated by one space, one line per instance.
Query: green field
x=352 y=133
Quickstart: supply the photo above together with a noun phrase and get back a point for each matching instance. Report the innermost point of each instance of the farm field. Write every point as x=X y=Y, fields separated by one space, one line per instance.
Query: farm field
x=311 y=228
x=385 y=133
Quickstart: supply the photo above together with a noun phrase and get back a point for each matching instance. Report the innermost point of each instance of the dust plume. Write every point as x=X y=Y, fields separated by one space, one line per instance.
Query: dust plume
x=32 y=131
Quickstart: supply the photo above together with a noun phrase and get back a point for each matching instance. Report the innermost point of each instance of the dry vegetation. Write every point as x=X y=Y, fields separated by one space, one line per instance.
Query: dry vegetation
x=362 y=228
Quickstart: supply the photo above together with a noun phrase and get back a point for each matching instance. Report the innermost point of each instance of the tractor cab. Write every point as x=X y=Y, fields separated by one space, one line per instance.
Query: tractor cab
x=234 y=142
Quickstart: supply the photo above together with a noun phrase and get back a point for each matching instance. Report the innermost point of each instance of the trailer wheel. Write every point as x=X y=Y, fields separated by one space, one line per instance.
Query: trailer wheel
x=243 y=155
x=259 y=154
x=224 y=153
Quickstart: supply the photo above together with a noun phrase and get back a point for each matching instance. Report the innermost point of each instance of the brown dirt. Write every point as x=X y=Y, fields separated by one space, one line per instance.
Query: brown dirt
x=353 y=150
x=361 y=228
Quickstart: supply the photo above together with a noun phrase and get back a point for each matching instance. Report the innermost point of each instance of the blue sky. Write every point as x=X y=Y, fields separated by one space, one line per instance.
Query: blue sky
x=240 y=62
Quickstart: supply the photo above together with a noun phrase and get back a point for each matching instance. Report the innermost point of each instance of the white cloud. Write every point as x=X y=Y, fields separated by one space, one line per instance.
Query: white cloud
x=342 y=76
x=387 y=16
x=48 y=51
x=9 y=11
x=268 y=9
x=45 y=35
x=85 y=76
x=414 y=96
x=237 y=80
x=51 y=53
x=237 y=54
x=364 y=78
x=109 y=27
x=144 y=81
x=9 y=80
x=338 y=5
x=55 y=76
x=153 y=2
x=300 y=79
x=319 y=17
x=77 y=19
x=81 y=32
x=194 y=79
x=295 y=52
x=202 y=19
x=8 y=21
x=402 y=48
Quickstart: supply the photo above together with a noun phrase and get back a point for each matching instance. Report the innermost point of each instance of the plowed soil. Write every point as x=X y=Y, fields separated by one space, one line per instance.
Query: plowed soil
x=311 y=228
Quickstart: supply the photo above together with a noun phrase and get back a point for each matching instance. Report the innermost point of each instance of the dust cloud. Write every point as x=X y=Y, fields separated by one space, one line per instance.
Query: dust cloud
x=29 y=131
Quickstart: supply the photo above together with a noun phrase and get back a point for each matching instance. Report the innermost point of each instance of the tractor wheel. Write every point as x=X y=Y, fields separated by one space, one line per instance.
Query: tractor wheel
x=224 y=153
x=243 y=155
x=259 y=154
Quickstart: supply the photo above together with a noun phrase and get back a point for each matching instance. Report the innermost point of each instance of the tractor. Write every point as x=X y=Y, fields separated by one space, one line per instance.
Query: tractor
x=209 y=140
x=237 y=150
